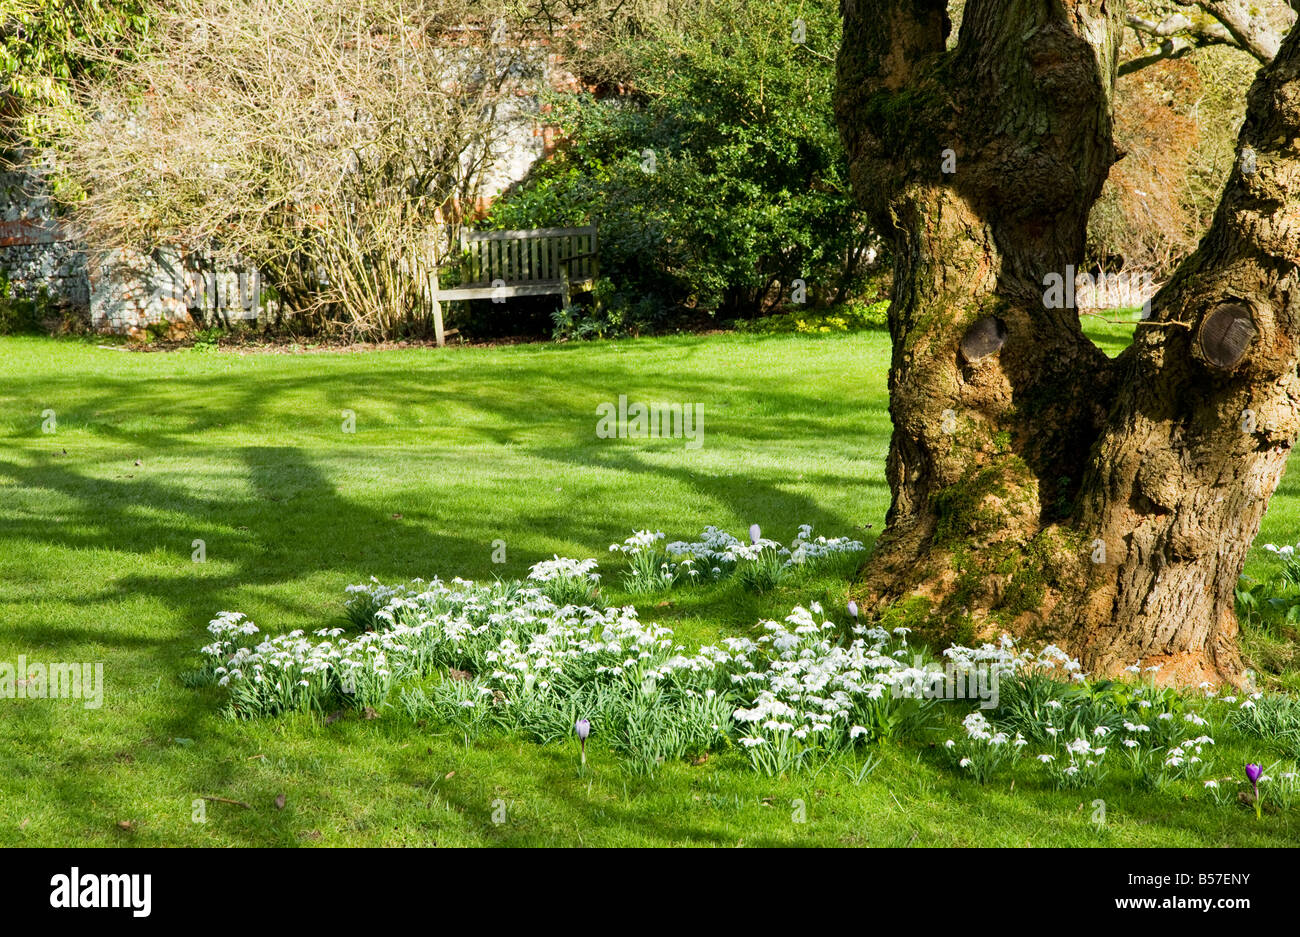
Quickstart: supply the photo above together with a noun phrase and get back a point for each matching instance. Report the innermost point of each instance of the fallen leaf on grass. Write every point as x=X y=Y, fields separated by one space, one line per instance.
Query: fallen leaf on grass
x=279 y=802
x=448 y=775
x=334 y=717
x=369 y=713
x=125 y=825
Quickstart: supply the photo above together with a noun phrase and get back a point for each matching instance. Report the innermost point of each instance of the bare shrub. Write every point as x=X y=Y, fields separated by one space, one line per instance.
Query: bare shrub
x=326 y=141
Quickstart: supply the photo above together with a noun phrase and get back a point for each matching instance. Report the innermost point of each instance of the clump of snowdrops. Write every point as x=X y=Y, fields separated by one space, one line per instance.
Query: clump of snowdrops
x=566 y=581
x=759 y=563
x=476 y=657
x=537 y=657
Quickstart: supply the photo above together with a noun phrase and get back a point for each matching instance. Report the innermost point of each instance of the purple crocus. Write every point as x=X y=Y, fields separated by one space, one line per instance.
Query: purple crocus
x=754 y=533
x=853 y=609
x=583 y=728
x=1253 y=774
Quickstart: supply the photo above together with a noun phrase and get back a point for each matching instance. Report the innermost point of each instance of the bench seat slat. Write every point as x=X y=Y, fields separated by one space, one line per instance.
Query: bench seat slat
x=536 y=288
x=531 y=233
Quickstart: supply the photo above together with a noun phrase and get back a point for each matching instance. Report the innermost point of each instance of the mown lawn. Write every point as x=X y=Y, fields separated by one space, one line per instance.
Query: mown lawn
x=452 y=451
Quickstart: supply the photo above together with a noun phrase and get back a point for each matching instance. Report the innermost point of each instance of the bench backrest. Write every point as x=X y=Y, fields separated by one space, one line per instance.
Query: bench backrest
x=527 y=256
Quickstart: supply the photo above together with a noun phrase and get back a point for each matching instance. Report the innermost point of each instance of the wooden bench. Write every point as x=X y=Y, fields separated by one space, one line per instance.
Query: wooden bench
x=538 y=262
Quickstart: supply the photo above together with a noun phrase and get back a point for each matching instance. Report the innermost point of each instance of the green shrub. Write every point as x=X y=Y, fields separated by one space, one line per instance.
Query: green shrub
x=716 y=184
x=20 y=314
x=852 y=316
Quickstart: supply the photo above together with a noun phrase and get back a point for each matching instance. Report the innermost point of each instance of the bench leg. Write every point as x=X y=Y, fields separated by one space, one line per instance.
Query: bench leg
x=435 y=304
x=438 y=331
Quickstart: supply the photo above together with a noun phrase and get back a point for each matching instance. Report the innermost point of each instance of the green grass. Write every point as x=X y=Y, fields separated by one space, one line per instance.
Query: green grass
x=1112 y=331
x=452 y=451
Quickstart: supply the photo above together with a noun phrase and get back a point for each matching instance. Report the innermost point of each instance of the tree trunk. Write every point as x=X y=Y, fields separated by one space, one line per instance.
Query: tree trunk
x=1038 y=486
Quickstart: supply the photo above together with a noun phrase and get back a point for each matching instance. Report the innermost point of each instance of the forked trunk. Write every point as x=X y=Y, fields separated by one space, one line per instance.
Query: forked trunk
x=1039 y=487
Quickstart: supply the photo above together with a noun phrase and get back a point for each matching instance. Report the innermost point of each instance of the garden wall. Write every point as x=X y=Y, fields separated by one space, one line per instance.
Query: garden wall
x=36 y=252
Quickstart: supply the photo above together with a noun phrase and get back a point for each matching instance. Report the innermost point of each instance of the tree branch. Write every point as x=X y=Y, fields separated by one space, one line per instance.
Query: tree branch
x=1251 y=34
x=1224 y=22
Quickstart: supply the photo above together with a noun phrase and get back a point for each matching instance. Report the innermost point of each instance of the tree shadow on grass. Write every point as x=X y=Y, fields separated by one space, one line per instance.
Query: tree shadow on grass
x=292 y=522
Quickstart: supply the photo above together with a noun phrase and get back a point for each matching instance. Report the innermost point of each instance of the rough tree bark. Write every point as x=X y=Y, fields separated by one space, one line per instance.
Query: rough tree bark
x=1038 y=486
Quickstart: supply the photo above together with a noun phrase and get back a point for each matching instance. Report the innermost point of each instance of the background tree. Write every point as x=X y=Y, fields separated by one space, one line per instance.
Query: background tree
x=1037 y=485
x=1177 y=115
x=46 y=45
